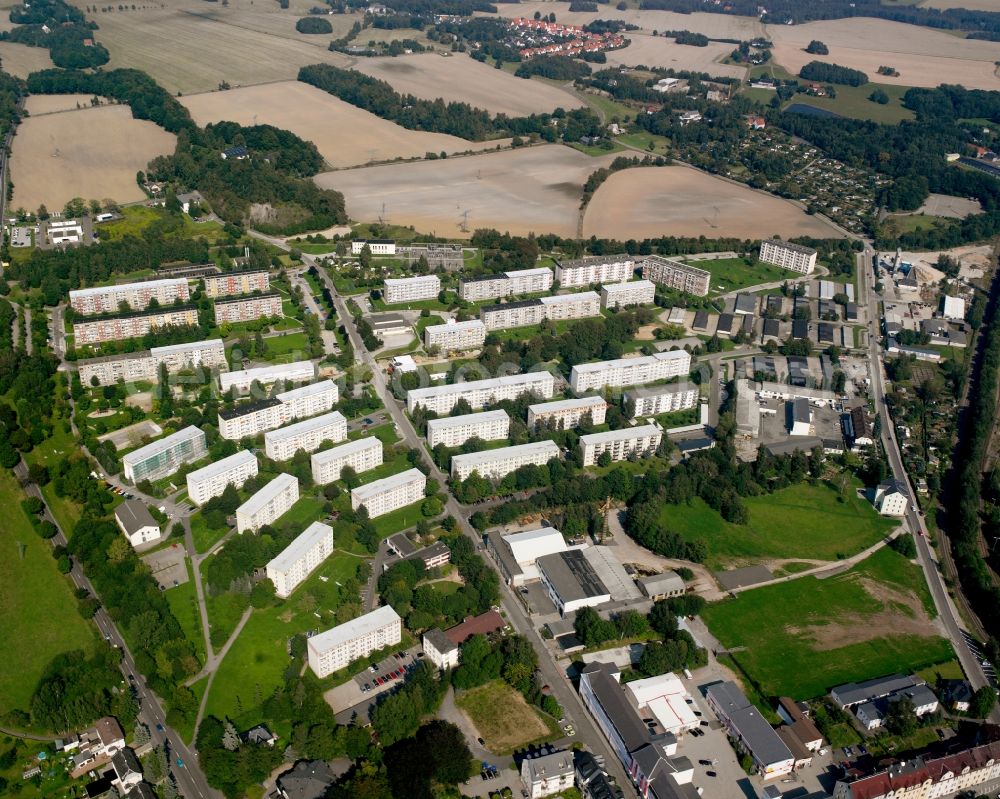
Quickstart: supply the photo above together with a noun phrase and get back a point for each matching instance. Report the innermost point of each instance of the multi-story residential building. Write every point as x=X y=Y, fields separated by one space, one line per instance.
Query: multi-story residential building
x=335 y=649
x=165 y=456
x=361 y=455
x=565 y=414
x=145 y=365
x=386 y=495
x=453 y=431
x=306 y=435
x=495 y=464
x=411 y=289
x=207 y=354
x=211 y=481
x=788 y=256
x=247 y=307
x=505 y=284
x=137 y=296
x=572 y=306
x=97 y=330
x=268 y=504
x=375 y=246
x=630 y=371
x=228 y=284
x=294 y=372
x=298 y=560
x=547 y=774
x=524 y=313
x=247 y=421
x=310 y=399
x=587 y=271
x=479 y=393
x=654 y=400
x=622 y=295
x=640 y=442
x=455 y=336
x=676 y=275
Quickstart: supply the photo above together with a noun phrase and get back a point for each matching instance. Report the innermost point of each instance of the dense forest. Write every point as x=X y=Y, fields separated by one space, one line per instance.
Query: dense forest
x=59 y=28
x=553 y=67
x=833 y=73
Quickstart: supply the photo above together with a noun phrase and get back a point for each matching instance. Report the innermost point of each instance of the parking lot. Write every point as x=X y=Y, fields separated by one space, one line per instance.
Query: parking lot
x=21 y=236
x=167 y=566
x=360 y=692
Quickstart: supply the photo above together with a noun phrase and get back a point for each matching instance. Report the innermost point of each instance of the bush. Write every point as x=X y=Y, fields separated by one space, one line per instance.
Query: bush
x=817 y=47
x=879 y=96
x=313 y=25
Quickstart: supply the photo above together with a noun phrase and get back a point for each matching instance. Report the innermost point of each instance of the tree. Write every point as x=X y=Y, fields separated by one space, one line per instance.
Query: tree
x=983 y=702
x=431 y=507
x=816 y=47
x=230 y=738
x=349 y=476
x=879 y=96
x=901 y=718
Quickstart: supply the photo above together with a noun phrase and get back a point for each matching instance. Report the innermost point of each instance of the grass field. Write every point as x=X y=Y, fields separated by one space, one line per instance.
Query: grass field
x=38 y=618
x=49 y=453
x=184 y=604
x=802 y=521
x=253 y=666
x=730 y=274
x=504 y=719
x=204 y=536
x=802 y=637
x=853 y=102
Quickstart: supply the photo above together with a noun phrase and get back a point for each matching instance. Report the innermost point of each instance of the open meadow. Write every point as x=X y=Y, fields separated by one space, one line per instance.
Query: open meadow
x=345 y=134
x=805 y=636
x=678 y=201
x=93 y=153
x=530 y=189
x=922 y=56
x=658 y=51
x=19 y=60
x=459 y=78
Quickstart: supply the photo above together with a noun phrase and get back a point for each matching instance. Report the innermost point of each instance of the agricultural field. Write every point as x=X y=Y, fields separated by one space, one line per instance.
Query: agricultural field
x=20 y=60
x=776 y=521
x=37 y=104
x=345 y=134
x=36 y=605
x=678 y=201
x=93 y=153
x=922 y=56
x=460 y=78
x=658 y=51
x=530 y=189
x=504 y=719
x=864 y=623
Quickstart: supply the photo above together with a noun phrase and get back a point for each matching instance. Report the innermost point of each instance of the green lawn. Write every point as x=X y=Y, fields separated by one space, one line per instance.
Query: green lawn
x=802 y=521
x=224 y=611
x=278 y=347
x=183 y=602
x=731 y=274
x=399 y=519
x=802 y=637
x=38 y=618
x=49 y=453
x=596 y=150
x=253 y=667
x=853 y=102
x=642 y=139
x=205 y=537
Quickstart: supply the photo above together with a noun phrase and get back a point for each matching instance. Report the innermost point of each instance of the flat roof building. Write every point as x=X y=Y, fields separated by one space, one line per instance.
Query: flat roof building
x=211 y=481
x=627 y=443
x=571 y=582
x=307 y=435
x=453 y=431
x=247 y=308
x=560 y=307
x=164 y=456
x=598 y=269
x=362 y=455
x=505 y=284
x=375 y=246
x=479 y=393
x=145 y=365
x=411 y=289
x=454 y=336
x=568 y=413
x=228 y=284
x=788 y=256
x=654 y=400
x=677 y=275
x=296 y=372
x=268 y=504
x=336 y=648
x=495 y=464
x=247 y=421
x=623 y=295
x=300 y=558
x=99 y=329
x=750 y=731
x=630 y=371
x=386 y=495
x=137 y=296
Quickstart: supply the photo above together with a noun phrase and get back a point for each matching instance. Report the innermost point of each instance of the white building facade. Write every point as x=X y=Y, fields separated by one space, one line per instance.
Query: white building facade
x=268 y=504
x=300 y=558
x=788 y=256
x=308 y=435
x=336 y=648
x=506 y=284
x=630 y=371
x=564 y=414
x=165 y=456
x=241 y=380
x=411 y=289
x=639 y=442
x=386 y=495
x=375 y=246
x=361 y=455
x=495 y=464
x=587 y=271
x=654 y=400
x=247 y=308
x=211 y=481
x=453 y=336
x=622 y=295
x=229 y=284
x=479 y=393
x=453 y=431
x=137 y=296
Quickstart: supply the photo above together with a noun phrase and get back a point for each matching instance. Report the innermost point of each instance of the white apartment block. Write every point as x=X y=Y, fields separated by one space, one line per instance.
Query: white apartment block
x=587 y=271
x=300 y=558
x=211 y=481
x=209 y=353
x=622 y=295
x=788 y=256
x=572 y=306
x=375 y=246
x=640 y=442
x=453 y=431
x=479 y=393
x=455 y=336
x=164 y=456
x=247 y=308
x=566 y=414
x=145 y=365
x=108 y=299
x=676 y=275
x=295 y=372
x=654 y=400
x=411 y=289
x=495 y=464
x=250 y=420
x=115 y=328
x=306 y=435
x=506 y=284
x=228 y=284
x=630 y=371
x=386 y=495
x=361 y=455
x=335 y=649
x=268 y=504
x=520 y=313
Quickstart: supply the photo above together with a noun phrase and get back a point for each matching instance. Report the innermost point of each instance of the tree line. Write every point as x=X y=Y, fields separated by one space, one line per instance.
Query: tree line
x=824 y=72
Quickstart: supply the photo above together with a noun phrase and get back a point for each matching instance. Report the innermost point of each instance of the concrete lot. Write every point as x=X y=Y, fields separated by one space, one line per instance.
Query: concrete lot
x=351 y=698
x=168 y=566
x=132 y=435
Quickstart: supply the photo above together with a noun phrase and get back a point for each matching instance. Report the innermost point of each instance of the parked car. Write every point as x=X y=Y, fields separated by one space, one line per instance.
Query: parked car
x=709 y=773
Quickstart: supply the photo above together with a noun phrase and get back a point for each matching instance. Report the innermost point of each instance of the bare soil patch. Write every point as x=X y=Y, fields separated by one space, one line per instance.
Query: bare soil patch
x=536 y=189
x=93 y=153
x=345 y=134
x=664 y=201
x=948 y=206
x=658 y=51
x=459 y=78
x=20 y=60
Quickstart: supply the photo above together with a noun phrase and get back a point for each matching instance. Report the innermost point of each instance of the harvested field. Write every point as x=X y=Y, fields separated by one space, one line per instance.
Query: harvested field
x=345 y=135
x=656 y=51
x=923 y=57
x=20 y=60
x=536 y=189
x=972 y=5
x=93 y=153
x=239 y=43
x=37 y=104
x=678 y=201
x=462 y=79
